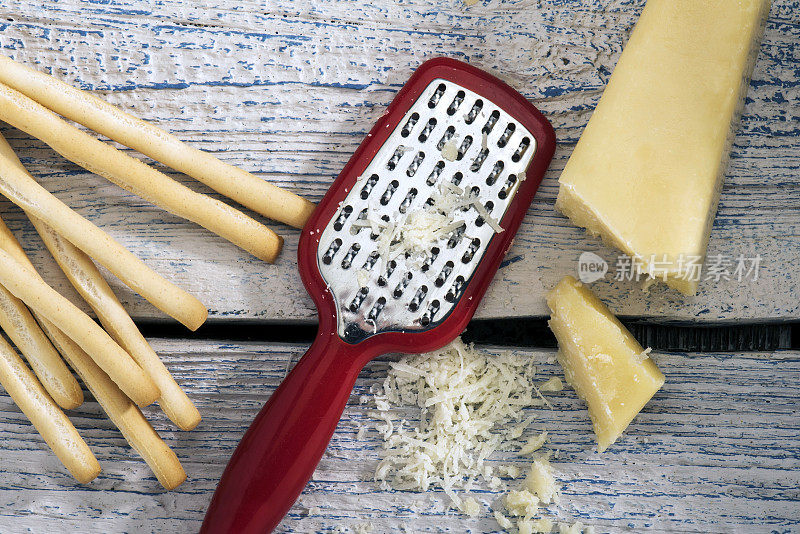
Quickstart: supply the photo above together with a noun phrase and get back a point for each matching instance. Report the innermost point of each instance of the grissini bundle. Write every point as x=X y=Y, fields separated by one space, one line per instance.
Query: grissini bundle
x=110 y=121
x=27 y=286
x=23 y=330
x=87 y=279
x=120 y=409
x=123 y=413
x=20 y=187
x=48 y=419
x=136 y=176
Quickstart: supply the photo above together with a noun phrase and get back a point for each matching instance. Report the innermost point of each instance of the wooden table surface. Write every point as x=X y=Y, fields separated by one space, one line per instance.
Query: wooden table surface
x=287 y=89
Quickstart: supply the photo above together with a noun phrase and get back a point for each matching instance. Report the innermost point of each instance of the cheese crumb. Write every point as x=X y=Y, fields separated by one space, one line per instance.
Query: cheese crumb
x=503 y=521
x=565 y=528
x=540 y=481
x=642 y=356
x=534 y=444
x=471 y=507
x=450 y=150
x=522 y=503
x=537 y=526
x=511 y=471
x=554 y=384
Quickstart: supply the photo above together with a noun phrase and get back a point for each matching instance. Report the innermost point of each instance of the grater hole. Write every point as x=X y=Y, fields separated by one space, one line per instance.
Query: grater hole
x=471 y=250
x=367 y=189
x=419 y=296
x=523 y=147
x=465 y=144
x=402 y=285
x=372 y=259
x=355 y=304
x=433 y=309
x=479 y=221
x=458 y=234
x=436 y=96
x=384 y=279
x=496 y=170
x=342 y=218
x=456 y=103
x=510 y=181
x=490 y=122
x=374 y=235
x=432 y=255
x=470 y=117
x=415 y=163
x=426 y=132
x=376 y=310
x=387 y=195
x=412 y=193
x=455 y=290
x=347 y=261
x=433 y=177
x=429 y=202
x=477 y=163
x=412 y=121
x=509 y=131
x=359 y=223
x=448 y=134
x=327 y=258
x=398 y=154
x=457 y=177
x=446 y=271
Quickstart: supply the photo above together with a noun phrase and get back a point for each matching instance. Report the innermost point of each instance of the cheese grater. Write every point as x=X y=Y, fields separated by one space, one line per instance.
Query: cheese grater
x=397 y=257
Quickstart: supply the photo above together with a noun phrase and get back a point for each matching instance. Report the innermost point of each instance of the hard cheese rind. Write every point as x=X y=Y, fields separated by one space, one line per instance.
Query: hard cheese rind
x=602 y=361
x=647 y=170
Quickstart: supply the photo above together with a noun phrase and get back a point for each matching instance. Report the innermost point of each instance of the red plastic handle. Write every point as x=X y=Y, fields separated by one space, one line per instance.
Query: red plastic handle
x=280 y=450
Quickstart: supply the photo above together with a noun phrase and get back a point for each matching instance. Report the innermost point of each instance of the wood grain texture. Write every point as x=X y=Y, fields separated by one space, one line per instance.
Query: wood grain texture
x=288 y=88
x=716 y=450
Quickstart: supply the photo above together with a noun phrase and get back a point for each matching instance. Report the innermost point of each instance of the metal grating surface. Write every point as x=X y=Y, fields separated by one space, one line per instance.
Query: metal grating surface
x=449 y=134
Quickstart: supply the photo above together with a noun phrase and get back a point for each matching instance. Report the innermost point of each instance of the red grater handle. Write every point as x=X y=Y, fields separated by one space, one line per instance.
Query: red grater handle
x=281 y=449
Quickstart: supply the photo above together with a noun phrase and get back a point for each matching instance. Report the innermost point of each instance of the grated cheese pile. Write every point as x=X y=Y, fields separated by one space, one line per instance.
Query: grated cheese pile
x=471 y=405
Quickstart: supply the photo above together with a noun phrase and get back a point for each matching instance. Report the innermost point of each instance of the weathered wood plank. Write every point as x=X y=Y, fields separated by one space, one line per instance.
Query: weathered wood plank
x=717 y=450
x=287 y=89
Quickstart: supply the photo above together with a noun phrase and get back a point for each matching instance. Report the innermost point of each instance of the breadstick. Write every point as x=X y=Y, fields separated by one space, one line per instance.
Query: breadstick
x=25 y=192
x=19 y=324
x=110 y=121
x=137 y=177
x=48 y=419
x=27 y=286
x=23 y=330
x=123 y=413
x=86 y=278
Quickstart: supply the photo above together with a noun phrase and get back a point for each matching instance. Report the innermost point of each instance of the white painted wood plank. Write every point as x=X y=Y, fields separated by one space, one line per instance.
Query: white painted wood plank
x=716 y=450
x=287 y=89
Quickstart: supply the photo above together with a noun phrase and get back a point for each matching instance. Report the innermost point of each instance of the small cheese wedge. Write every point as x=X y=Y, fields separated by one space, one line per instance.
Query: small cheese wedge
x=602 y=361
x=647 y=171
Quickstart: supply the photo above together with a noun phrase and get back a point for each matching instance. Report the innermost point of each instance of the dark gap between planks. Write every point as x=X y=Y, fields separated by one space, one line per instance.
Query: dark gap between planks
x=531 y=332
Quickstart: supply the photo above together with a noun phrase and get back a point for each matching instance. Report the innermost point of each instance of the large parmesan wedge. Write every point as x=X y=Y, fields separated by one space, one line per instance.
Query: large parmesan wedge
x=647 y=170
x=602 y=361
